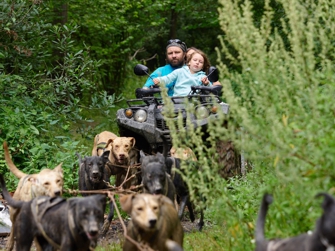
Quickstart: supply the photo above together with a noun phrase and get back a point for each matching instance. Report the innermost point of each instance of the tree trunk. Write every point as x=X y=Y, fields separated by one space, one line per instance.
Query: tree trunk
x=60 y=12
x=173 y=22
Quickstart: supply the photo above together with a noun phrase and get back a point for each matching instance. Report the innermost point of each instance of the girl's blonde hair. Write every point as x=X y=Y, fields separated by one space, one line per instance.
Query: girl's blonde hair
x=206 y=65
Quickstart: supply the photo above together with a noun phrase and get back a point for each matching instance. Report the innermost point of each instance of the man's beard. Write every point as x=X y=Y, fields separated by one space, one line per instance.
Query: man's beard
x=176 y=64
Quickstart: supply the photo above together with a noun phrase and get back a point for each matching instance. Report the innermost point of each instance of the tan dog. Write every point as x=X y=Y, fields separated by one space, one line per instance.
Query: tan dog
x=120 y=150
x=183 y=153
x=154 y=221
x=121 y=156
x=47 y=182
x=100 y=142
x=119 y=147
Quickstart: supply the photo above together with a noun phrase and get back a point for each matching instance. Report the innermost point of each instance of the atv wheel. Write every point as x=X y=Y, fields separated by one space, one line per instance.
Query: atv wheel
x=229 y=159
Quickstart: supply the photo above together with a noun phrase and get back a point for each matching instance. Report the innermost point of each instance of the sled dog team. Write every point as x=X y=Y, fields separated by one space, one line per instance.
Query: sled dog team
x=41 y=215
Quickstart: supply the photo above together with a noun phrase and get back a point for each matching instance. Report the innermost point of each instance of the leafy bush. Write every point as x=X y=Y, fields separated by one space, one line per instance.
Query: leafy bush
x=281 y=95
x=284 y=113
x=44 y=116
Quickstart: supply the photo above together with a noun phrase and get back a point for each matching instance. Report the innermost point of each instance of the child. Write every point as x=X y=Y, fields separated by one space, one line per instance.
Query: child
x=193 y=73
x=189 y=52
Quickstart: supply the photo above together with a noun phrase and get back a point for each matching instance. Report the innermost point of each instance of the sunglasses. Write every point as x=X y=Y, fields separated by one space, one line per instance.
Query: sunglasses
x=178 y=41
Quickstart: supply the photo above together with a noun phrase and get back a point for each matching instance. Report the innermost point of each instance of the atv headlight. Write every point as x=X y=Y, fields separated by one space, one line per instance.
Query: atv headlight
x=129 y=113
x=140 y=115
x=214 y=109
x=201 y=112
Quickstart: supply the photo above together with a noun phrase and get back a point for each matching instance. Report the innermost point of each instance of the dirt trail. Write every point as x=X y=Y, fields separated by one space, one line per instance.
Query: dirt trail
x=115 y=233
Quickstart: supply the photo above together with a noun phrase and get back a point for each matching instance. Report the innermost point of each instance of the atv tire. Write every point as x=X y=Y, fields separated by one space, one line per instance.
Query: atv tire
x=229 y=159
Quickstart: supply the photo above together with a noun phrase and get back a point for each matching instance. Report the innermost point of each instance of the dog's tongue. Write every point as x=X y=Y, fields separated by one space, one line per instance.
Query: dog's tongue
x=91 y=236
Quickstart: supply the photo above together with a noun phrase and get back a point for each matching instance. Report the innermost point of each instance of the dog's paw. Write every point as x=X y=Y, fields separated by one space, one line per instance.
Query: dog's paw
x=93 y=245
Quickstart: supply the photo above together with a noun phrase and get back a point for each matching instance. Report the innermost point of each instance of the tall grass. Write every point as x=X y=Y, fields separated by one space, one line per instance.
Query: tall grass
x=280 y=85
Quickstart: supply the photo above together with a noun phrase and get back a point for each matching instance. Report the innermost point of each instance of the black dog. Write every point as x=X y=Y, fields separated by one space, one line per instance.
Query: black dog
x=94 y=174
x=182 y=189
x=57 y=223
x=322 y=238
x=155 y=179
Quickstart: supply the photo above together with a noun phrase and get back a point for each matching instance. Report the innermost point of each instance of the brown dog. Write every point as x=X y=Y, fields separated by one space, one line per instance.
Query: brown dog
x=47 y=182
x=121 y=150
x=154 y=221
x=100 y=141
x=183 y=153
x=121 y=156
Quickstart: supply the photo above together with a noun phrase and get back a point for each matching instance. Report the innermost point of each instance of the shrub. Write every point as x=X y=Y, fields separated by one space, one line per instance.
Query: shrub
x=281 y=96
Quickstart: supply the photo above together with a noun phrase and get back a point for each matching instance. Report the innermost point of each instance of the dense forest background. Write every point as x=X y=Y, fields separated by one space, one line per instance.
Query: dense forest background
x=68 y=63
x=67 y=66
x=117 y=34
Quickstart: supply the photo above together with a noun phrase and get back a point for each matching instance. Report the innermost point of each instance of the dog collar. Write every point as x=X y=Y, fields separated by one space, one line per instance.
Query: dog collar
x=325 y=242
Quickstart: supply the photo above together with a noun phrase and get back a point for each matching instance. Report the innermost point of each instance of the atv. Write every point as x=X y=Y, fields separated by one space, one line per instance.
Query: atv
x=143 y=119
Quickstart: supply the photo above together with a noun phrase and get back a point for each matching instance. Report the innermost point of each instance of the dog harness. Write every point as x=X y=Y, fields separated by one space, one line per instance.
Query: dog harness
x=101 y=146
x=38 y=215
x=173 y=168
x=143 y=244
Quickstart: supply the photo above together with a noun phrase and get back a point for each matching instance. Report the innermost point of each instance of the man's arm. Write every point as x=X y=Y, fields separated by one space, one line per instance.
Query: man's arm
x=149 y=83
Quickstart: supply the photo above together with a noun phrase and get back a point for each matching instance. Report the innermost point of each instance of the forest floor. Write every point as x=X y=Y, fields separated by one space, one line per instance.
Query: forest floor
x=115 y=233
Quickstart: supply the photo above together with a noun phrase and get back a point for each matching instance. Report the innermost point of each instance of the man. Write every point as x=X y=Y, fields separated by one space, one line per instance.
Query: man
x=175 y=57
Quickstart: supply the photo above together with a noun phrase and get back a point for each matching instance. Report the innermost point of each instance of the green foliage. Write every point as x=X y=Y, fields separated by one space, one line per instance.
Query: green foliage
x=285 y=104
x=122 y=32
x=43 y=97
x=276 y=65
x=280 y=91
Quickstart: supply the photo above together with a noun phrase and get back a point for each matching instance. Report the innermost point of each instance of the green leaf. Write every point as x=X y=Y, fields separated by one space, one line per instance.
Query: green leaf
x=34 y=130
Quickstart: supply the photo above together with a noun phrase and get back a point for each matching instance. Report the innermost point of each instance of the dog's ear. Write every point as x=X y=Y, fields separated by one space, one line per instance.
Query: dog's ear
x=72 y=202
x=142 y=155
x=59 y=169
x=162 y=160
x=160 y=157
x=126 y=202
x=79 y=157
x=102 y=199
x=132 y=141
x=168 y=164
x=328 y=200
x=105 y=155
x=143 y=158
x=110 y=141
x=33 y=179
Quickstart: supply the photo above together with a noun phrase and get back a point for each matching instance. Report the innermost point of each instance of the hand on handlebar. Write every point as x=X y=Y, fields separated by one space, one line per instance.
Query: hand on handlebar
x=205 y=81
x=156 y=81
